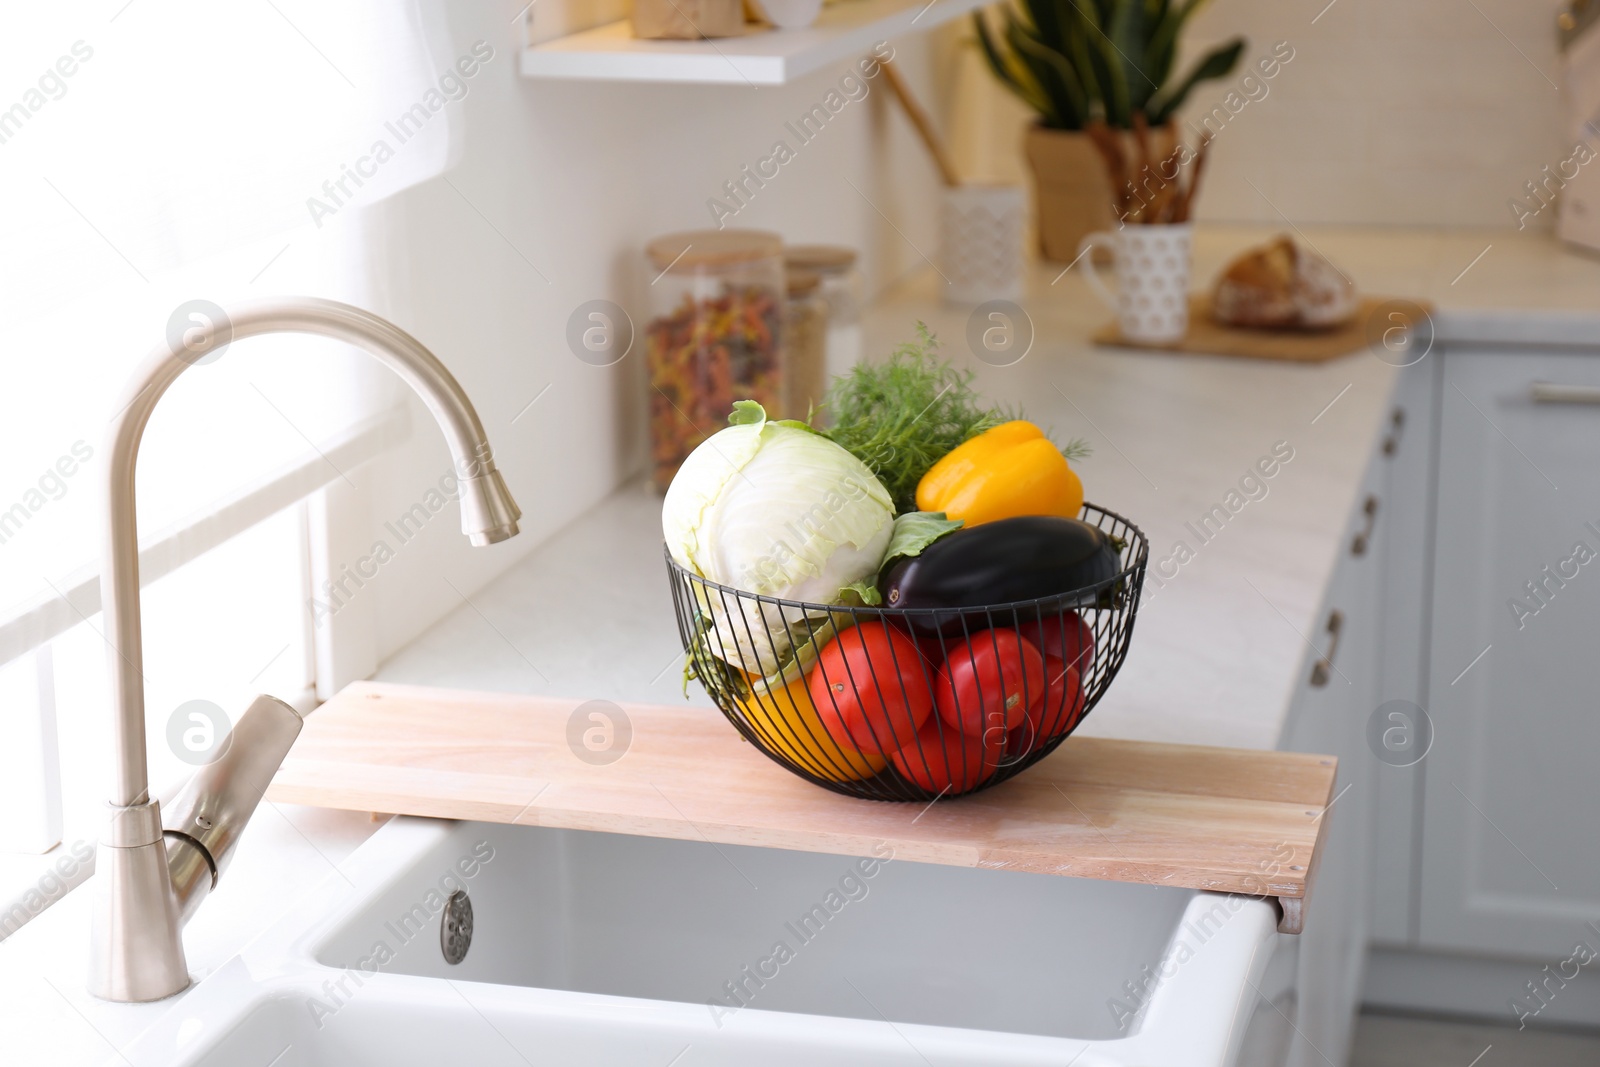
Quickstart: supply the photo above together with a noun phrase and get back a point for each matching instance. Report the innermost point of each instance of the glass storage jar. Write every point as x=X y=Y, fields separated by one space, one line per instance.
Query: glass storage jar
x=843 y=291
x=715 y=336
x=804 y=344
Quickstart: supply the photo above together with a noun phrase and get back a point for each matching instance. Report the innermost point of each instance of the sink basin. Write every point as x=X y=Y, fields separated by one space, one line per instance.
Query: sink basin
x=596 y=949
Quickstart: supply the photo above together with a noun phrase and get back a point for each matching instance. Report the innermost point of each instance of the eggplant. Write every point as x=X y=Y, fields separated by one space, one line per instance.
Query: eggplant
x=1030 y=557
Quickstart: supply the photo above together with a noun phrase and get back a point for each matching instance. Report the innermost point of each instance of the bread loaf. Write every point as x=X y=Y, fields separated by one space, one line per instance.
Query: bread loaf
x=1283 y=286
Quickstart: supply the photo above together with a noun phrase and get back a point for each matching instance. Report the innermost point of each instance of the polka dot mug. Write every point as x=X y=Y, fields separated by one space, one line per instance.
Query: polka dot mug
x=1152 y=268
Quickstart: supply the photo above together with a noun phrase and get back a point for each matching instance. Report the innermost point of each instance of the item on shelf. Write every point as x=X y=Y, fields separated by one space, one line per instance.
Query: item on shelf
x=715 y=335
x=1282 y=286
x=805 y=339
x=980 y=225
x=1057 y=60
x=687 y=20
x=1152 y=266
x=788 y=14
x=842 y=291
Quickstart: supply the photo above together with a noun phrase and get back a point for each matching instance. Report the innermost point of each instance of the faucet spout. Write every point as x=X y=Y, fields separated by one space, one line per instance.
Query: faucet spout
x=137 y=943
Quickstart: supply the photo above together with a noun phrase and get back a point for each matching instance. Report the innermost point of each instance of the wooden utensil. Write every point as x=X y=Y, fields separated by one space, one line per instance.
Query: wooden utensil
x=920 y=121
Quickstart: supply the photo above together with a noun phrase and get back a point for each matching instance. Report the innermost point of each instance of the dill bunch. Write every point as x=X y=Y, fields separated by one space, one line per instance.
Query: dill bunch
x=900 y=417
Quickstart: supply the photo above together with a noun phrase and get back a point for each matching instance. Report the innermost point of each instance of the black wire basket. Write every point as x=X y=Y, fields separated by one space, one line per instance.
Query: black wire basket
x=913 y=704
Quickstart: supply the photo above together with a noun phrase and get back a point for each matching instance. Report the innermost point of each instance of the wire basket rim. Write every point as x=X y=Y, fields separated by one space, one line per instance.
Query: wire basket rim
x=1140 y=558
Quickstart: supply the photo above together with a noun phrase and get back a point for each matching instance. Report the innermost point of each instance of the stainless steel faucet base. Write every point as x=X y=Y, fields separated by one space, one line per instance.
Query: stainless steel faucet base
x=149 y=880
x=139 y=949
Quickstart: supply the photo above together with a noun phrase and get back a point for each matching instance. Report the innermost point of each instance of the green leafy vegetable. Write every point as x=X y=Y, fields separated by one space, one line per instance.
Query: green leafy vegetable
x=774 y=509
x=747 y=413
x=864 y=591
x=915 y=531
x=901 y=416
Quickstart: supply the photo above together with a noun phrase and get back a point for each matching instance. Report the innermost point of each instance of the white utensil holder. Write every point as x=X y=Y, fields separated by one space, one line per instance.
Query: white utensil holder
x=980 y=243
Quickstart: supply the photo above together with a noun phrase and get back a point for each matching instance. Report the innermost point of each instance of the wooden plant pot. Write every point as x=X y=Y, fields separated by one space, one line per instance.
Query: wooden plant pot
x=1071 y=193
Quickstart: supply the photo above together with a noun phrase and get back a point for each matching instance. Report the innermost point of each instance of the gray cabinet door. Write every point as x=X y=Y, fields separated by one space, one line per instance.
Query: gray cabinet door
x=1511 y=826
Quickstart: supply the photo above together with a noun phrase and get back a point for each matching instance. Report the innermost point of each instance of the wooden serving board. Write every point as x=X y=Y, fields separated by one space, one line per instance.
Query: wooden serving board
x=1229 y=820
x=1207 y=337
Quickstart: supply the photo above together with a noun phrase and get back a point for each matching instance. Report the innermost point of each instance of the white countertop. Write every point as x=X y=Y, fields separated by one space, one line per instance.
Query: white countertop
x=1212 y=660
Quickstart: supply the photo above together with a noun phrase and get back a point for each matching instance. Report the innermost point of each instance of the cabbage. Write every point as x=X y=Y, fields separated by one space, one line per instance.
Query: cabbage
x=775 y=509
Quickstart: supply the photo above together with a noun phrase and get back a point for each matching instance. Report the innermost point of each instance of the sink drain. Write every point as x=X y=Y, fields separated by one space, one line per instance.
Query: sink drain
x=455 y=928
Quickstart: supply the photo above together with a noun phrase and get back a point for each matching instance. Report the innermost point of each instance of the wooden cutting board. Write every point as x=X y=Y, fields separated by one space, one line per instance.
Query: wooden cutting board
x=1207 y=337
x=1229 y=820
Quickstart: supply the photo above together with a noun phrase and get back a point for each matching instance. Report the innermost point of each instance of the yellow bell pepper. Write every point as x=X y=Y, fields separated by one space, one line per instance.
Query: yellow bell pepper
x=1010 y=470
x=786 y=720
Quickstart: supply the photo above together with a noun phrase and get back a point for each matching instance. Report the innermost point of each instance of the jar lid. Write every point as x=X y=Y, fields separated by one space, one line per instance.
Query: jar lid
x=829 y=259
x=696 y=249
x=801 y=282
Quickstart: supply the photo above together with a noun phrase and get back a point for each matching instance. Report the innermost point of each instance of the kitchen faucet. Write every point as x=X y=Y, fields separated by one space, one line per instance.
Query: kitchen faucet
x=153 y=872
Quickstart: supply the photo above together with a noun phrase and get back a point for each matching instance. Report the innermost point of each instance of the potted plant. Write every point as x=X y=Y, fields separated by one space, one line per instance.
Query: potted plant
x=1082 y=62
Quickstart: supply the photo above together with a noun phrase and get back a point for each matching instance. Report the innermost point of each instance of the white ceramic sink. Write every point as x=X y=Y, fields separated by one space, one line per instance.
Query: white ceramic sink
x=597 y=949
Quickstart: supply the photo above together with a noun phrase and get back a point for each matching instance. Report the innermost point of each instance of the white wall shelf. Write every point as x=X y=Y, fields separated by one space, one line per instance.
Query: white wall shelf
x=759 y=57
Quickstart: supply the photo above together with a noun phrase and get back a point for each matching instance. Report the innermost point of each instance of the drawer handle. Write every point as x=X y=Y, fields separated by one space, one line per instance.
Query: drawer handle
x=1397 y=425
x=1324 y=666
x=1360 y=542
x=1556 y=393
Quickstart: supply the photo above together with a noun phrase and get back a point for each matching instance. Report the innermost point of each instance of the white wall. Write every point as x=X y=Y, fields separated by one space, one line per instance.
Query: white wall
x=1393 y=112
x=1417 y=114
x=573 y=178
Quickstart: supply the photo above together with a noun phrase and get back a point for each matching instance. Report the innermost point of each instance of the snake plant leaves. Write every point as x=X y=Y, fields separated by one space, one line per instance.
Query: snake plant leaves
x=1074 y=61
x=1051 y=72
x=1214 y=64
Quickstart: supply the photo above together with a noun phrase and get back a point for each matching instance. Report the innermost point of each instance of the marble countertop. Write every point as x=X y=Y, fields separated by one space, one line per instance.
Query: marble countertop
x=1218 y=645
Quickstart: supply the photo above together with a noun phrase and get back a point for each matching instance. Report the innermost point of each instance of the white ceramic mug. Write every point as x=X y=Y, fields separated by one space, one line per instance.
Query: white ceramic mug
x=1152 y=268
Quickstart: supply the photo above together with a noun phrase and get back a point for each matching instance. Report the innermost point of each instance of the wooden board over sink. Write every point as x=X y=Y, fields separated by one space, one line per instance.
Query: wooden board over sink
x=1227 y=820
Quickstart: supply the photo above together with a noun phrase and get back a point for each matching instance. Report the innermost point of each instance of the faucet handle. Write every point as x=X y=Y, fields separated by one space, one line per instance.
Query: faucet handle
x=203 y=821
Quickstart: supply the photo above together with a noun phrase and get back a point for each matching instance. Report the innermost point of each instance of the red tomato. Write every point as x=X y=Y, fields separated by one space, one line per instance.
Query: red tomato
x=1053 y=716
x=931 y=647
x=1065 y=636
x=989 y=681
x=871 y=688
x=934 y=648
x=943 y=760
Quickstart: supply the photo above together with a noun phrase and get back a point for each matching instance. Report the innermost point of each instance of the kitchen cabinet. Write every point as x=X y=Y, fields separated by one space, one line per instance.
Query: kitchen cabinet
x=1510 y=814
x=1328 y=714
